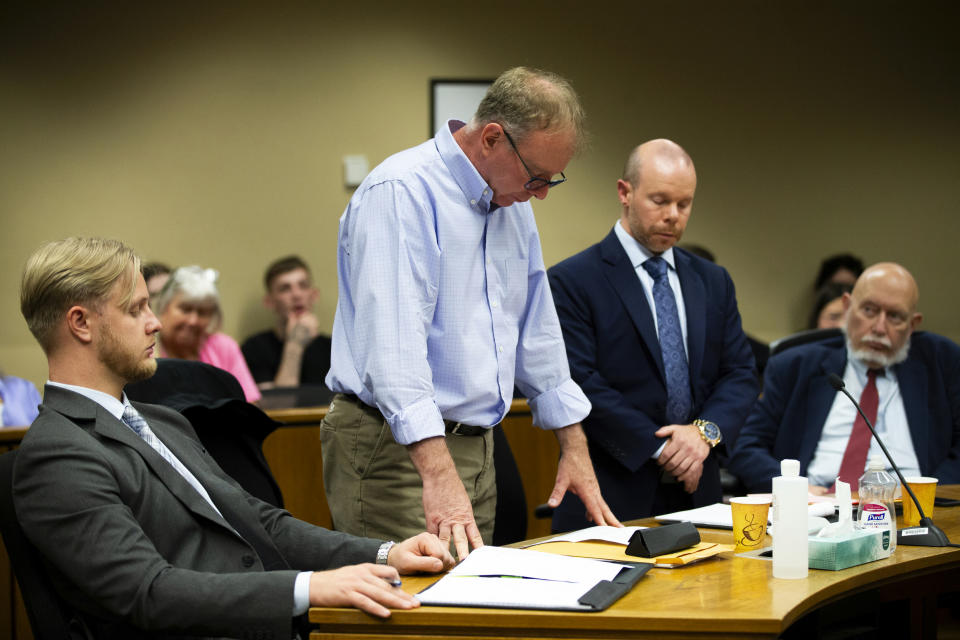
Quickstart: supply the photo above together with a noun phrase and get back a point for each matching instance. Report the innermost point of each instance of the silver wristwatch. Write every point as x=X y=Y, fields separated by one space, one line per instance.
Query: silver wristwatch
x=384 y=551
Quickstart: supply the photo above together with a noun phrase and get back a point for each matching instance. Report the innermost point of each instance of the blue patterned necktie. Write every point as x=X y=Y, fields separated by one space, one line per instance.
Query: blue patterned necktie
x=671 y=344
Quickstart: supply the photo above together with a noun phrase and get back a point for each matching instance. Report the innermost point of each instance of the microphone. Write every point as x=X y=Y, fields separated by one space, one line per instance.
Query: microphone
x=926 y=534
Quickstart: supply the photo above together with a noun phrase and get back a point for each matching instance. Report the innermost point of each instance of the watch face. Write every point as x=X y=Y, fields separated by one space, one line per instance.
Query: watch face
x=712 y=431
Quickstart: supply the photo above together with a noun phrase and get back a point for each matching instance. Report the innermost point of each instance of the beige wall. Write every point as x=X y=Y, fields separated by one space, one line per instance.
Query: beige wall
x=215 y=135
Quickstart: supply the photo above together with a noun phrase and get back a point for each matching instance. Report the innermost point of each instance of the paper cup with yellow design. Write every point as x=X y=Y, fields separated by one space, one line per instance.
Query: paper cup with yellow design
x=926 y=490
x=749 y=521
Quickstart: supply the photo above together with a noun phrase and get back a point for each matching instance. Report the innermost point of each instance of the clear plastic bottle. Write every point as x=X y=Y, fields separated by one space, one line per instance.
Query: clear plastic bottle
x=877 y=489
x=790 y=543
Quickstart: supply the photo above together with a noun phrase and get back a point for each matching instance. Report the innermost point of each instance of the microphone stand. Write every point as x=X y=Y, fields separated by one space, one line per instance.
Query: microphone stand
x=926 y=534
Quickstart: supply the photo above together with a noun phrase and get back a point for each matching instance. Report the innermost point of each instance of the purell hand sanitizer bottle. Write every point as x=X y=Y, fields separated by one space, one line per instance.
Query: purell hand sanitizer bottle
x=876 y=509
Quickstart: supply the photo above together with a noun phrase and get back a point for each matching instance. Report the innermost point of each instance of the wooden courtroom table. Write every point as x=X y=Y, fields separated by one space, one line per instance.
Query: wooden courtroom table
x=725 y=597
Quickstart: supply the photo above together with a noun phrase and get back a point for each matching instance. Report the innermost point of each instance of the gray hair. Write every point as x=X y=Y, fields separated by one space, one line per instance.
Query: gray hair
x=525 y=100
x=196 y=284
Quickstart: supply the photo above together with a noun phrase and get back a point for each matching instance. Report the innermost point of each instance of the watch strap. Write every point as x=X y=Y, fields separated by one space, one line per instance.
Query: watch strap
x=384 y=551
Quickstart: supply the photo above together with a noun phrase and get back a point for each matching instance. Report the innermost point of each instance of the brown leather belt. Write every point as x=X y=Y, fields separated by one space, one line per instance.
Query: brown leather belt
x=451 y=427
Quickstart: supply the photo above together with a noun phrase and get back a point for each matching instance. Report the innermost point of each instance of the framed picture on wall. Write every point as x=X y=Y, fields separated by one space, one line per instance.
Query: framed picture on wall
x=454 y=98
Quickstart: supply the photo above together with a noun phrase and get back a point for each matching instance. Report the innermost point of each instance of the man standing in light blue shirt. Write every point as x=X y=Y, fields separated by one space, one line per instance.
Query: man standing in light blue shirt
x=443 y=306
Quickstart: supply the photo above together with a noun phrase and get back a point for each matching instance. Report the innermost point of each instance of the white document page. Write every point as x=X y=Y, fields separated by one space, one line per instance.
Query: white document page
x=504 y=561
x=539 y=580
x=619 y=535
x=507 y=593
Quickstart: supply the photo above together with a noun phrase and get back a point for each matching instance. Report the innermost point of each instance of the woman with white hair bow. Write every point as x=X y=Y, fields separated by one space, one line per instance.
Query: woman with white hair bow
x=189 y=310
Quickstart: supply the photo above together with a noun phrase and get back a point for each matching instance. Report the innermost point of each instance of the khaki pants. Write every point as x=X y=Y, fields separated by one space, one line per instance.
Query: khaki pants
x=372 y=487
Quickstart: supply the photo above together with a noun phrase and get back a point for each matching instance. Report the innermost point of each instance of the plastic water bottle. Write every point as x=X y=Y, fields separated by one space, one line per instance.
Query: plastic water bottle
x=790 y=550
x=877 y=489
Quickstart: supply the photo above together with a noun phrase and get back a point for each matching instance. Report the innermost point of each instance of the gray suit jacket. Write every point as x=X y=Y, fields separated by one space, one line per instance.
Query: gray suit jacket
x=134 y=547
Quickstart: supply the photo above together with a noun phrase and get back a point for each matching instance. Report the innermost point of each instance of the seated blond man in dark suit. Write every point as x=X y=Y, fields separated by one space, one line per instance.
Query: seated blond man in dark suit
x=145 y=535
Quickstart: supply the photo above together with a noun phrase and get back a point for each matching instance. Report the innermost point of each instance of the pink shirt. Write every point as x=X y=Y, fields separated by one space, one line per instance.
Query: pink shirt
x=222 y=351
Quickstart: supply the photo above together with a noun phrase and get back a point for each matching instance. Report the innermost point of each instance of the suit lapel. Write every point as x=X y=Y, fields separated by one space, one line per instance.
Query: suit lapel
x=185 y=452
x=90 y=416
x=623 y=278
x=913 y=383
x=695 y=306
x=234 y=514
x=820 y=397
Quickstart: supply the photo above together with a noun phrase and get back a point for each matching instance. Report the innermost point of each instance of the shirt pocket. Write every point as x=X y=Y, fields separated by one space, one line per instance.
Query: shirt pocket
x=514 y=281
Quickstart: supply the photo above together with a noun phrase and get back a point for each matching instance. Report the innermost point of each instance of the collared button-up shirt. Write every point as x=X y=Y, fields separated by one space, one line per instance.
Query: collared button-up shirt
x=891 y=424
x=19 y=402
x=444 y=301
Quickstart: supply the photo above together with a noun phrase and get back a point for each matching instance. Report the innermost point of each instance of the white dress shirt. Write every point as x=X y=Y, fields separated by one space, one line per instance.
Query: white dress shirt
x=891 y=425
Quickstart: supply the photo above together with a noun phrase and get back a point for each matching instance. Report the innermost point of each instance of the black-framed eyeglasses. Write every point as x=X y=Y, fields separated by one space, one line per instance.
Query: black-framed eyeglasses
x=534 y=182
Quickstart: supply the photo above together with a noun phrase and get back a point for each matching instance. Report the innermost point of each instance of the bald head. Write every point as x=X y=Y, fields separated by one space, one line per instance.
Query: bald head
x=892 y=277
x=656 y=194
x=881 y=314
x=665 y=154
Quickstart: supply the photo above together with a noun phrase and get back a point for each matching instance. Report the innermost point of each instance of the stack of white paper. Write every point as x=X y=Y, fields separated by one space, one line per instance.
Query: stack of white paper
x=518 y=578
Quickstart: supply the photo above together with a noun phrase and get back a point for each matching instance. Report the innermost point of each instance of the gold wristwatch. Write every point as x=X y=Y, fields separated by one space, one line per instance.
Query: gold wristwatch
x=709 y=431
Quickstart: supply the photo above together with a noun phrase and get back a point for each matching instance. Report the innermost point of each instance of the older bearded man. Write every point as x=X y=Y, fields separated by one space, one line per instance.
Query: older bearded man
x=909 y=380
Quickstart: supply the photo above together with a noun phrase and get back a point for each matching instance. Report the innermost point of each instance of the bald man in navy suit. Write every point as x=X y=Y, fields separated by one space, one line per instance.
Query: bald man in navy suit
x=662 y=415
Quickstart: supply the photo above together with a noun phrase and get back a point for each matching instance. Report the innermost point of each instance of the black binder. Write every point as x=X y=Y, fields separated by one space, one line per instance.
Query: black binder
x=606 y=592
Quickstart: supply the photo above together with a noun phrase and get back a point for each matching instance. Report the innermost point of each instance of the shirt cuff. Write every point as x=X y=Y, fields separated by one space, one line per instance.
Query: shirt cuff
x=301 y=593
x=416 y=422
x=659 y=450
x=560 y=407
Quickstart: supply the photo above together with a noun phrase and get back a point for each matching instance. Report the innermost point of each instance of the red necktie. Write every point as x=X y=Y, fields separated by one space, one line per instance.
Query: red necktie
x=855 y=455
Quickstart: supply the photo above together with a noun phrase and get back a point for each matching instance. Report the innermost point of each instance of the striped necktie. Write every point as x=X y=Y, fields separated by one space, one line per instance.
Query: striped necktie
x=133 y=419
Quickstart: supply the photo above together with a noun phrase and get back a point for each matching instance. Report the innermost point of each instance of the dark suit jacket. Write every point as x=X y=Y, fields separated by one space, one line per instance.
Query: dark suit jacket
x=133 y=546
x=788 y=419
x=614 y=355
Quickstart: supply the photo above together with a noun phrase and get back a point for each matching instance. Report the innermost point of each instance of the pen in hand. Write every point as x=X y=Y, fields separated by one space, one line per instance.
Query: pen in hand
x=394 y=582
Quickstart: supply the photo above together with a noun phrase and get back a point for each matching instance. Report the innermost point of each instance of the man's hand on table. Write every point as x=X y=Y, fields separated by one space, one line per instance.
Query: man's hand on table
x=423 y=553
x=446 y=505
x=364 y=586
x=575 y=474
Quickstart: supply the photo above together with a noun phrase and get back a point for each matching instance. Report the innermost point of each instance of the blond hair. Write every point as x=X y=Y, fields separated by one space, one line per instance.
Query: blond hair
x=70 y=272
x=524 y=100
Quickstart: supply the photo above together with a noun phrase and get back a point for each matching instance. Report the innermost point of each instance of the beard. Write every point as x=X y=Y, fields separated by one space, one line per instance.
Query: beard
x=869 y=356
x=125 y=362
